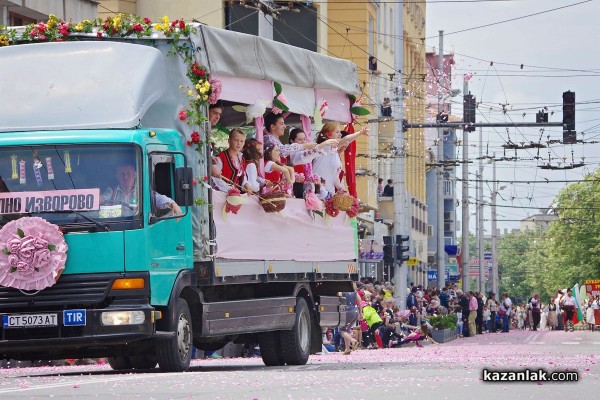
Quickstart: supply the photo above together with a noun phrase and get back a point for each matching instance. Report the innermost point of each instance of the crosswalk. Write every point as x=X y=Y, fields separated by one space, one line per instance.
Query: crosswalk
x=536 y=338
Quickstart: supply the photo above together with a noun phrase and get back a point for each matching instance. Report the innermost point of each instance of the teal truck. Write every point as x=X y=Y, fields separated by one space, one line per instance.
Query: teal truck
x=94 y=156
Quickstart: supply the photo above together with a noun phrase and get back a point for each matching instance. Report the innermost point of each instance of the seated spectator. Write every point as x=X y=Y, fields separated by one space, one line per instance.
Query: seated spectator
x=390 y=324
x=423 y=332
x=380 y=187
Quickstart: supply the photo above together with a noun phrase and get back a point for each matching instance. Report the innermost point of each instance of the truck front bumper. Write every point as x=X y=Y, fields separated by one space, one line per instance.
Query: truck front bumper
x=99 y=329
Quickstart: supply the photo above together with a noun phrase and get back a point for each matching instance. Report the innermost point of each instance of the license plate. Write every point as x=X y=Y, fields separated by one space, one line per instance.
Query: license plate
x=29 y=320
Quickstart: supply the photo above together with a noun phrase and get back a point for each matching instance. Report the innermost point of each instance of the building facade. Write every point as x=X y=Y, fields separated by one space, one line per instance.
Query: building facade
x=448 y=171
x=24 y=12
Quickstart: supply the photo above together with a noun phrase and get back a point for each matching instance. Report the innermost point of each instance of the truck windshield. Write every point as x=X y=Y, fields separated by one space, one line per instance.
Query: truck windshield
x=71 y=185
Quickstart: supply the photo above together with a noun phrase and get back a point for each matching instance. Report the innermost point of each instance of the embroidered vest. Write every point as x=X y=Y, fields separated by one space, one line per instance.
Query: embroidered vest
x=230 y=171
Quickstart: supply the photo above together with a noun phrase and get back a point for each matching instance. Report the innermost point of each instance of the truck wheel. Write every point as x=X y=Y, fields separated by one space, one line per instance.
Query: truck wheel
x=175 y=354
x=145 y=361
x=119 y=363
x=295 y=344
x=270 y=348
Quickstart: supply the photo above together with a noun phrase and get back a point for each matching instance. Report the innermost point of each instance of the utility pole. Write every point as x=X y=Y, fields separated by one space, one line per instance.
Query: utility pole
x=399 y=175
x=480 y=216
x=441 y=254
x=494 y=231
x=465 y=204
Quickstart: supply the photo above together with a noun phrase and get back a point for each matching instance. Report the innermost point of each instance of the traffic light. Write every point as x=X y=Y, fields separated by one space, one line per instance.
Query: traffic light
x=469 y=106
x=569 y=111
x=541 y=117
x=401 y=248
x=388 y=255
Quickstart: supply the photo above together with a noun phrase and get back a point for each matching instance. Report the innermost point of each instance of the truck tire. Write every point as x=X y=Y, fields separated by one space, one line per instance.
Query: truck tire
x=175 y=354
x=270 y=348
x=145 y=361
x=295 y=344
x=119 y=363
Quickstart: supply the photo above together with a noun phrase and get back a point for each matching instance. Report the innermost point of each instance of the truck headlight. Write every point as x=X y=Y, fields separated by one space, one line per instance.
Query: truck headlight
x=123 y=317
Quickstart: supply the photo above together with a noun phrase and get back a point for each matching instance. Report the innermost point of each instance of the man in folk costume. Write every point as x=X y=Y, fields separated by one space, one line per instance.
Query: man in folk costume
x=230 y=165
x=568 y=304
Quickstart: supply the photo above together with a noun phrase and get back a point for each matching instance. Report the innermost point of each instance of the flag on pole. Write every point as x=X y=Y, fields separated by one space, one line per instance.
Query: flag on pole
x=578 y=314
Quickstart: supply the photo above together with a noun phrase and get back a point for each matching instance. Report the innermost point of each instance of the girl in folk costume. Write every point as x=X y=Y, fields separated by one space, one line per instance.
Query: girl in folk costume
x=276 y=173
x=253 y=153
x=329 y=164
x=552 y=318
x=298 y=136
x=230 y=164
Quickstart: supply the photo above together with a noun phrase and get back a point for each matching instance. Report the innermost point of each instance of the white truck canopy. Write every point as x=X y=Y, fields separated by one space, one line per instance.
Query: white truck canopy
x=108 y=84
x=78 y=85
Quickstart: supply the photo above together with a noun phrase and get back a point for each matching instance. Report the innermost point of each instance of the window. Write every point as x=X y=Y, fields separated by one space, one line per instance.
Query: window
x=163 y=168
x=297 y=28
x=385 y=27
x=241 y=19
x=77 y=186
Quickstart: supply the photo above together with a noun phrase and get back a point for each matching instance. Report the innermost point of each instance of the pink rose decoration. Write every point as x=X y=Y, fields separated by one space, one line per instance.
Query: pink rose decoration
x=312 y=202
x=32 y=254
x=281 y=97
x=215 y=90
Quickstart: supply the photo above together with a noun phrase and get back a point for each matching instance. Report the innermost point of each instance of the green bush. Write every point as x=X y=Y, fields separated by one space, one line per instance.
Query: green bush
x=447 y=321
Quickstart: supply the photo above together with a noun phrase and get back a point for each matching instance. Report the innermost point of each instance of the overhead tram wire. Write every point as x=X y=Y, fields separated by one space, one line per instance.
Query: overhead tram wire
x=401 y=38
x=513 y=19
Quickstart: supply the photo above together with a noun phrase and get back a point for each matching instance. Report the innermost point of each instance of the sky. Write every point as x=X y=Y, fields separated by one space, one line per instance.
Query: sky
x=559 y=52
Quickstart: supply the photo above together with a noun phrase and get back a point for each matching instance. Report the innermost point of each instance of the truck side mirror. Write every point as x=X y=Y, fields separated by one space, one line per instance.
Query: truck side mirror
x=183 y=186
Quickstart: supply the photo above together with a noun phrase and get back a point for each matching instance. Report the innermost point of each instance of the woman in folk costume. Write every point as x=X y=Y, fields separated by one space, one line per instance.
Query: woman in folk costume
x=329 y=165
x=230 y=165
x=552 y=318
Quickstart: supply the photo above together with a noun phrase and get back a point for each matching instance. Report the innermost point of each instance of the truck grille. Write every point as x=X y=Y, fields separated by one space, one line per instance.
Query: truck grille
x=69 y=290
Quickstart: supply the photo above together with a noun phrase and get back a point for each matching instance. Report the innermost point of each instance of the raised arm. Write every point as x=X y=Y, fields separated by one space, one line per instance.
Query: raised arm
x=352 y=137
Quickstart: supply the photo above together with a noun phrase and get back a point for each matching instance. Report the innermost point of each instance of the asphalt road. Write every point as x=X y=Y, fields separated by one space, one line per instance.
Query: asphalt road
x=448 y=371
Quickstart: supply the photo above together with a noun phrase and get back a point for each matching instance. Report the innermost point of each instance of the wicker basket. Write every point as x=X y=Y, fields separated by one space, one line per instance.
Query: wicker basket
x=272 y=202
x=342 y=201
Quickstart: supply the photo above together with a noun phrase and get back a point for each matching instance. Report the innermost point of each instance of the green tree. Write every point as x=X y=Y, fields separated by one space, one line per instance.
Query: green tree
x=567 y=253
x=573 y=243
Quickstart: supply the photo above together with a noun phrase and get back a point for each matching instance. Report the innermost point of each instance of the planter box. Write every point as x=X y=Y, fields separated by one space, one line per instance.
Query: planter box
x=443 y=335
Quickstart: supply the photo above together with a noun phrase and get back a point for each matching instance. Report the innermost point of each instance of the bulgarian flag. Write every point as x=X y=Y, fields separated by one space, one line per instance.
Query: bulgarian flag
x=579 y=314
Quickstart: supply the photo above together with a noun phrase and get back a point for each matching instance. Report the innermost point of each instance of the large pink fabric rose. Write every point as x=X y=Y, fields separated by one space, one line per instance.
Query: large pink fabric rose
x=282 y=98
x=312 y=202
x=32 y=254
x=215 y=91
